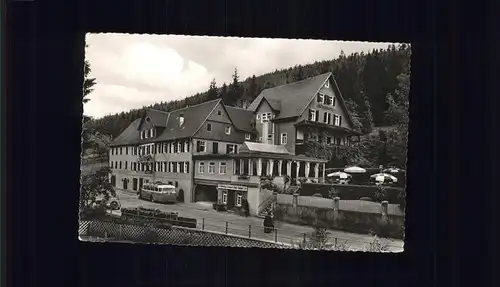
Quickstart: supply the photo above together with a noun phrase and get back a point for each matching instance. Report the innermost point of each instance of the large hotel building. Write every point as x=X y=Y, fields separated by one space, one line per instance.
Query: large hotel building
x=218 y=153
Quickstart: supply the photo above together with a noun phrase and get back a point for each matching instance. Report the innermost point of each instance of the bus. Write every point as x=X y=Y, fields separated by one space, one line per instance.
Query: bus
x=158 y=192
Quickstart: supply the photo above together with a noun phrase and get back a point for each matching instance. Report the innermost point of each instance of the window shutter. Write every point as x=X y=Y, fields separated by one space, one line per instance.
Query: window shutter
x=187 y=167
x=198 y=146
x=333 y=100
x=317 y=116
x=235 y=149
x=340 y=121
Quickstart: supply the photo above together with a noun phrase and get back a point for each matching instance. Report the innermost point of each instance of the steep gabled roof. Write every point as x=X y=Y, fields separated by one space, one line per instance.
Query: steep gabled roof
x=157 y=118
x=194 y=117
x=291 y=99
x=130 y=135
x=241 y=118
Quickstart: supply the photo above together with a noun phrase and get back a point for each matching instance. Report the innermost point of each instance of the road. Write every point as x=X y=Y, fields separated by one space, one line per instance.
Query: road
x=211 y=220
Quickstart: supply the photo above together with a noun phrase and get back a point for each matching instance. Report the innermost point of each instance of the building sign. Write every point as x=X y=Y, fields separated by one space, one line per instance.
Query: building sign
x=232 y=187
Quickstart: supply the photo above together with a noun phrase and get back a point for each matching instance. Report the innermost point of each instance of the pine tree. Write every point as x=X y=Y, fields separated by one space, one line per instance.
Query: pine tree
x=235 y=90
x=88 y=83
x=212 y=91
x=253 y=89
x=224 y=91
x=298 y=74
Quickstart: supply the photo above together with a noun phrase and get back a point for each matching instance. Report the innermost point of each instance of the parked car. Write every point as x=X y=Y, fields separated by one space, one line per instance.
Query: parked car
x=113 y=202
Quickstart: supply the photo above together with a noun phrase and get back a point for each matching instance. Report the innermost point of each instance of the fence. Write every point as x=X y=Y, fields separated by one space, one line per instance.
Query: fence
x=113 y=231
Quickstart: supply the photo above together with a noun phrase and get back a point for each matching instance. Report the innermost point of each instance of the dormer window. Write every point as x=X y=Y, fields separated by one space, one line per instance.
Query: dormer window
x=181 y=120
x=228 y=130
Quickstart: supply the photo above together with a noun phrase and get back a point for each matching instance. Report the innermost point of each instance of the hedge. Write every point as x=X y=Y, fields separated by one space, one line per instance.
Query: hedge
x=352 y=192
x=149 y=215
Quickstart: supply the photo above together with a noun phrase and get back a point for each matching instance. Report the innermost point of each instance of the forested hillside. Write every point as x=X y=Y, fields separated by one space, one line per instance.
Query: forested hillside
x=365 y=80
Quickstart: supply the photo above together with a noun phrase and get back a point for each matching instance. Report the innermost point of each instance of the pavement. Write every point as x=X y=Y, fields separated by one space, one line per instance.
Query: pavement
x=211 y=220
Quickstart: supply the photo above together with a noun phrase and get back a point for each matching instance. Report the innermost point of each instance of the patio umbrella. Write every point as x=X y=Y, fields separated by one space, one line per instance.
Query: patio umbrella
x=393 y=170
x=383 y=177
x=355 y=169
x=339 y=174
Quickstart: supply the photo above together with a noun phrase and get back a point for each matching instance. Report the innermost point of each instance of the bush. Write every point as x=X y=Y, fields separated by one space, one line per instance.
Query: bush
x=93 y=213
x=377 y=245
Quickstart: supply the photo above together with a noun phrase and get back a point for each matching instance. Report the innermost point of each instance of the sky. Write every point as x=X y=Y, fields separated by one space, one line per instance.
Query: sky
x=133 y=71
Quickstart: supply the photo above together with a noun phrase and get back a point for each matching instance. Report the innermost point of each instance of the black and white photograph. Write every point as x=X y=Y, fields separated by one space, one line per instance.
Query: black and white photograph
x=244 y=142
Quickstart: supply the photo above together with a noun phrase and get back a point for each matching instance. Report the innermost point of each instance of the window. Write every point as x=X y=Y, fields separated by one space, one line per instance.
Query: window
x=239 y=198
x=329 y=118
x=126 y=165
x=153 y=133
x=284 y=138
x=325 y=117
x=258 y=116
x=312 y=115
x=328 y=140
x=209 y=127
x=179 y=146
x=231 y=148
x=328 y=100
x=337 y=120
x=181 y=120
x=228 y=130
x=174 y=167
x=201 y=167
x=224 y=197
x=186 y=167
x=211 y=168
x=181 y=167
x=186 y=146
x=121 y=150
x=333 y=101
x=247 y=136
x=320 y=98
x=201 y=146
x=222 y=168
x=219 y=112
x=142 y=135
x=265 y=117
x=327 y=84
x=112 y=151
x=120 y=164
x=270 y=138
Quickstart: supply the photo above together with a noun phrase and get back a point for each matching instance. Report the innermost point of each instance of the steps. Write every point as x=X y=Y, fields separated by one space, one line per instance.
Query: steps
x=267 y=205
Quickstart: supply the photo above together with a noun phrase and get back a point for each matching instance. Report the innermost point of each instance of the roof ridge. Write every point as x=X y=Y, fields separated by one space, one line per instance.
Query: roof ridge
x=156 y=110
x=237 y=108
x=204 y=103
x=297 y=81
